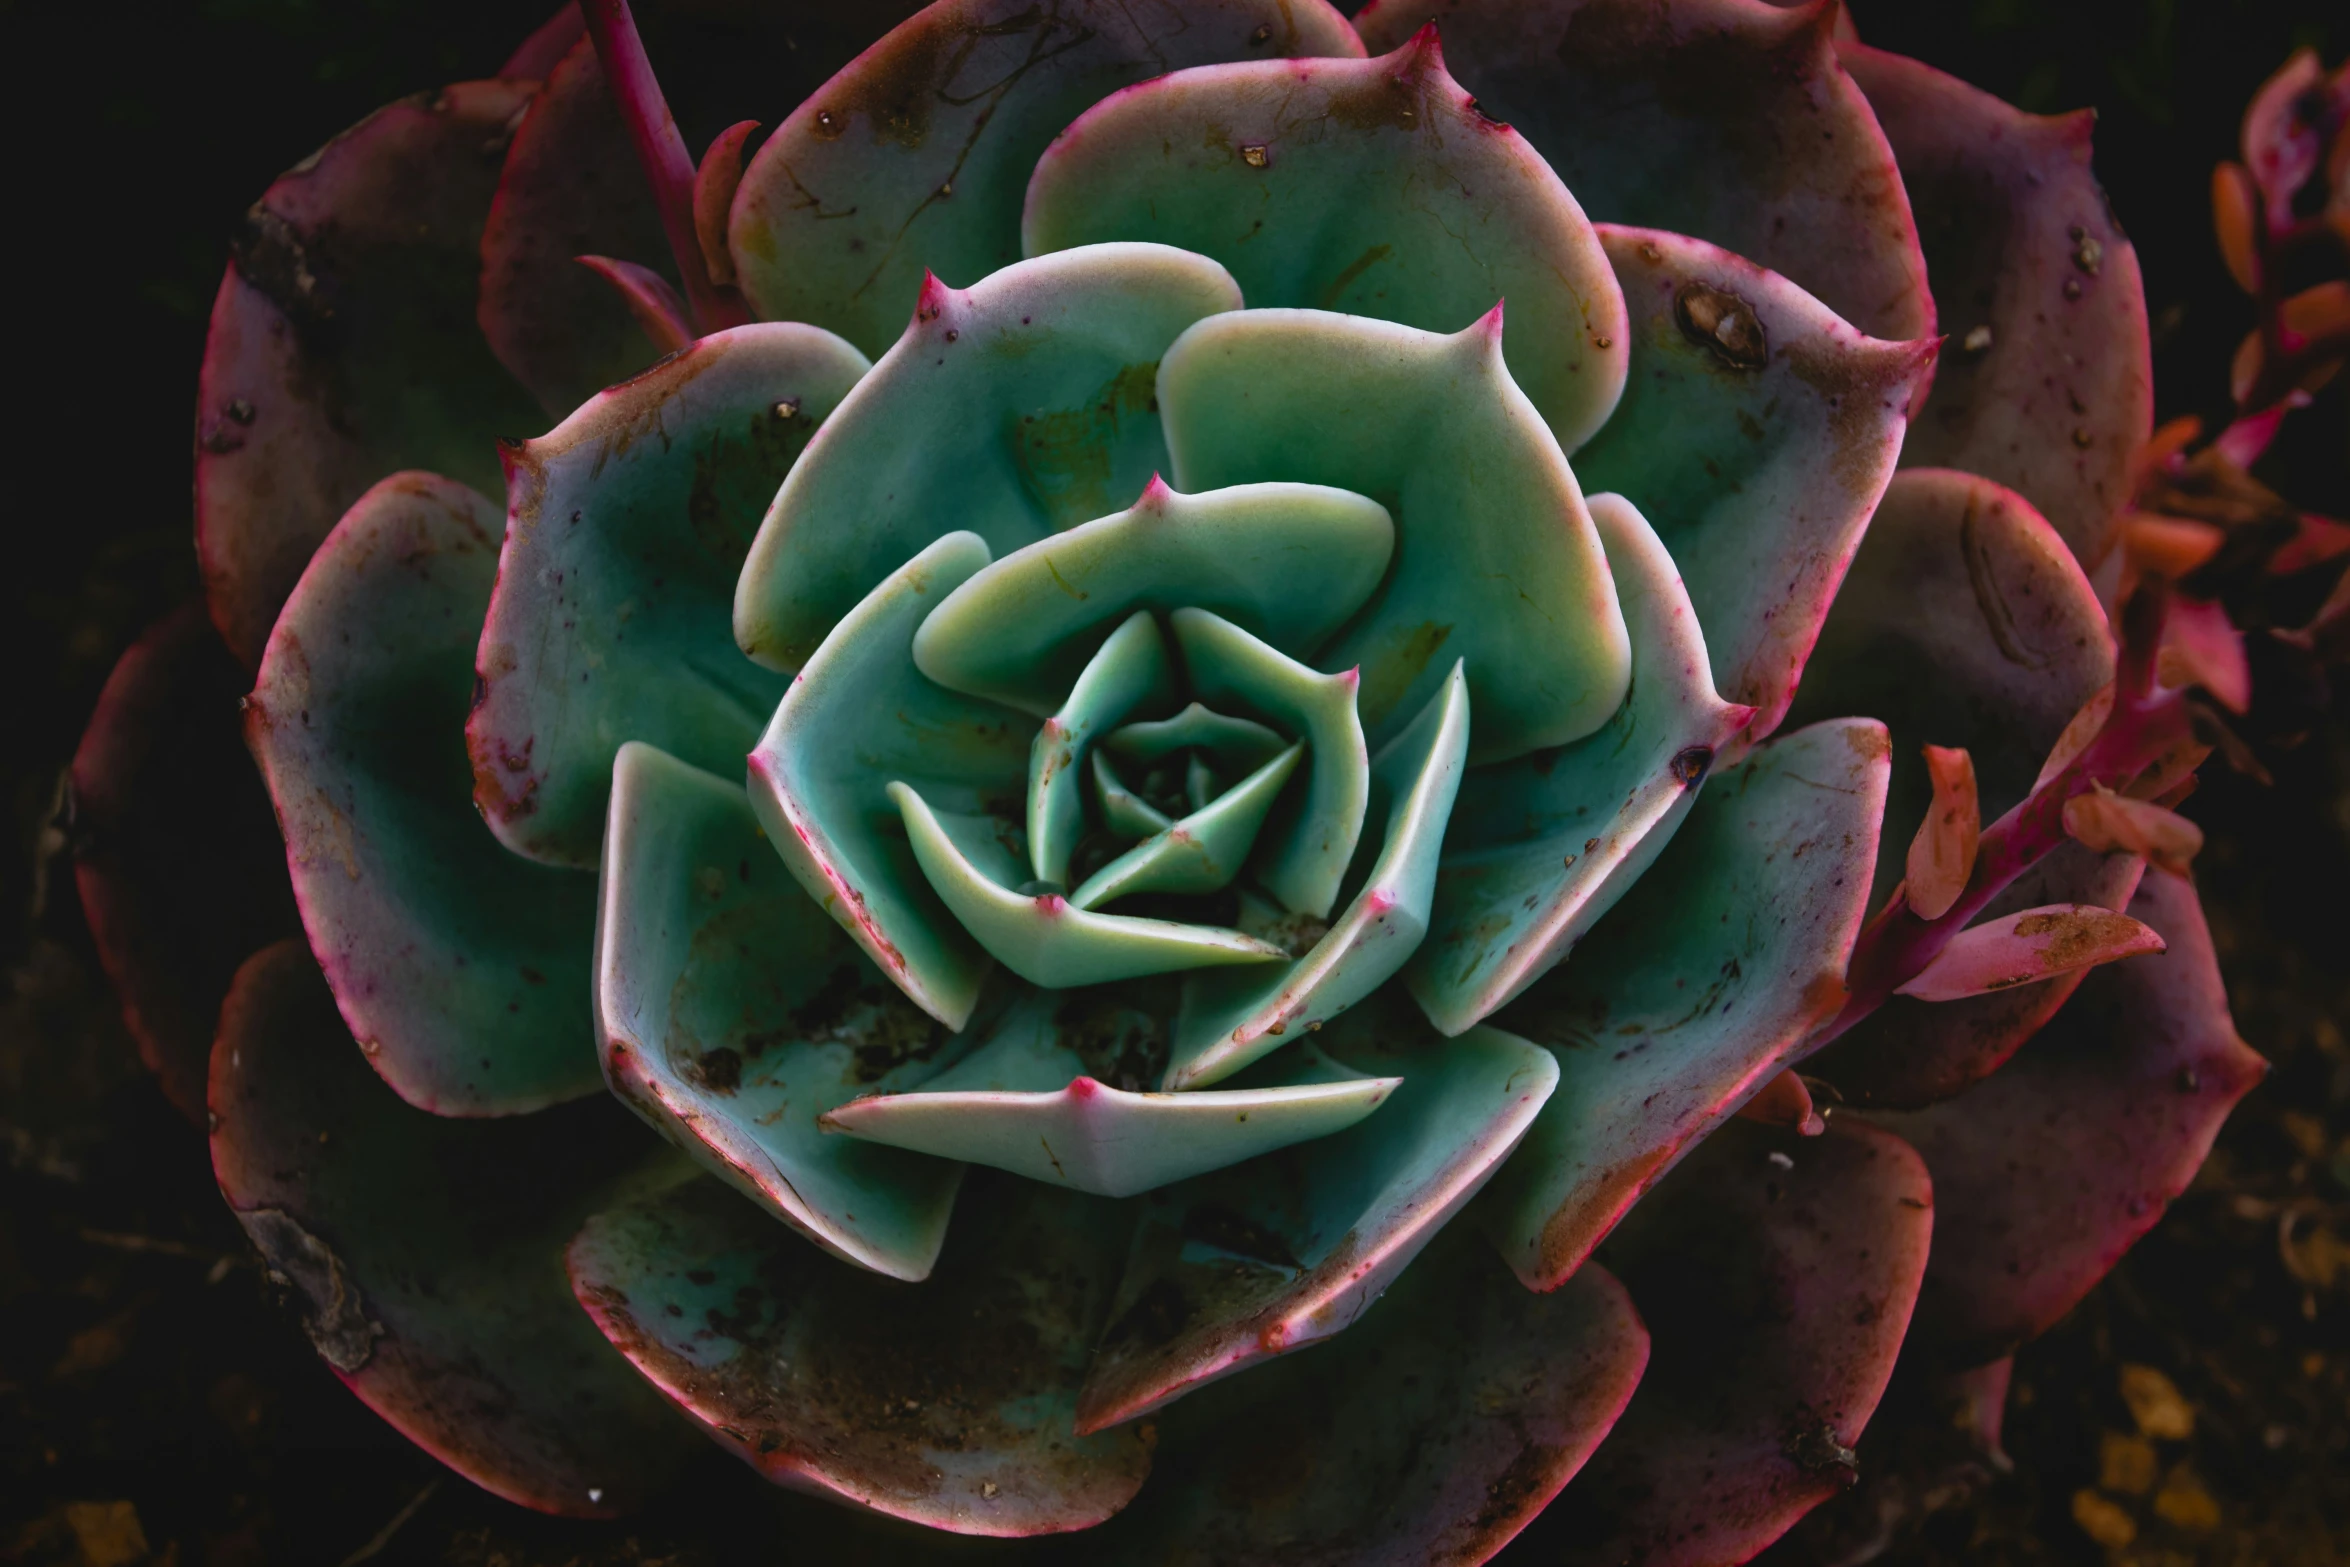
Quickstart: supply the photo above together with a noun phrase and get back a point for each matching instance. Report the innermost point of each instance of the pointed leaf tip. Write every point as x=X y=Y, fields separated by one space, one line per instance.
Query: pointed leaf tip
x=1942 y=855
x=2032 y=945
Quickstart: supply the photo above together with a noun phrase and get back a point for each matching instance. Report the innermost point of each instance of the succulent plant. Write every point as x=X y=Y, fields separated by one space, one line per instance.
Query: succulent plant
x=1315 y=692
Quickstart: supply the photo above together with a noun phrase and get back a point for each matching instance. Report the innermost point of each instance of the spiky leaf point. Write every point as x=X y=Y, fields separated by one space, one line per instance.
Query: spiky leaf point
x=462 y=969
x=1371 y=187
x=1128 y=671
x=1695 y=991
x=1201 y=853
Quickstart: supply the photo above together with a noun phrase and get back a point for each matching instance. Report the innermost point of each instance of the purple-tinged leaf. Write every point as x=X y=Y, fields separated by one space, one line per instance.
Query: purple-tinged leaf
x=716 y=179
x=546 y=46
x=2029 y=945
x=651 y=300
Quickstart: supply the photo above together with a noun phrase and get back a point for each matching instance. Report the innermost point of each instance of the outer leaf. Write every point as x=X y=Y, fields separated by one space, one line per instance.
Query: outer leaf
x=1696 y=990
x=342 y=345
x=626 y=527
x=2051 y=388
x=916 y=155
x=427 y=1254
x=1757 y=433
x=461 y=969
x=733 y=1014
x=1373 y=187
x=1728 y=119
x=947 y=1405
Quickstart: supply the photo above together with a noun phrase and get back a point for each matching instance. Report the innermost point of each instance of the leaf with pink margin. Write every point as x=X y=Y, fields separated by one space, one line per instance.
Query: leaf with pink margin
x=427 y=1254
x=2112 y=1111
x=462 y=969
x=914 y=158
x=2028 y=945
x=1726 y=119
x=1695 y=990
x=175 y=854
x=2020 y=244
x=1372 y=187
x=1776 y=1274
x=343 y=346
x=1432 y=1432
x=947 y=1405
x=1757 y=433
x=626 y=526
x=1965 y=622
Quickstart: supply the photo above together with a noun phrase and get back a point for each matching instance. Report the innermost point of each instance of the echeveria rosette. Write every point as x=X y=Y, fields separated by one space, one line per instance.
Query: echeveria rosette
x=1210 y=796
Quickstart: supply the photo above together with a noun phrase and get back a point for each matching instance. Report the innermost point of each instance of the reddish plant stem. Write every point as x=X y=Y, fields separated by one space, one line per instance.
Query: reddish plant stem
x=660 y=150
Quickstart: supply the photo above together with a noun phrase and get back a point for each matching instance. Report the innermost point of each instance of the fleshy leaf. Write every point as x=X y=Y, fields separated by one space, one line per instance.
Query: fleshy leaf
x=1542 y=846
x=733 y=1014
x=1942 y=855
x=1372 y=187
x=1201 y=853
x=1229 y=1021
x=1124 y=812
x=2109 y=822
x=1128 y=671
x=947 y=1405
x=1776 y=1275
x=1726 y=119
x=1022 y=1102
x=2049 y=388
x=626 y=526
x=1236 y=743
x=343 y=345
x=427 y=1254
x=2111 y=1111
x=916 y=155
x=462 y=969
x=1695 y=991
x=1757 y=434
x=2031 y=944
x=1289 y=1249
x=1497 y=563
x=859 y=717
x=1014 y=408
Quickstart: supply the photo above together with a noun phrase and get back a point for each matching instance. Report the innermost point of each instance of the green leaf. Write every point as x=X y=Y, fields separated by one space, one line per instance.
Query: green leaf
x=1128 y=671
x=1201 y=853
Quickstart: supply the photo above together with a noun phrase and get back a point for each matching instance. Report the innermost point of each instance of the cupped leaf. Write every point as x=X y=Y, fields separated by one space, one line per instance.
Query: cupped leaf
x=947 y=1404
x=1201 y=853
x=462 y=969
x=734 y=1013
x=1497 y=563
x=1238 y=744
x=1014 y=408
x=343 y=346
x=1543 y=845
x=1128 y=671
x=427 y=1254
x=1694 y=992
x=626 y=527
x=859 y=718
x=1372 y=187
x=1728 y=119
x=1230 y=1020
x=916 y=155
x=1124 y=813
x=1757 y=434
x=1284 y=1251
x=2049 y=388
x=1776 y=1275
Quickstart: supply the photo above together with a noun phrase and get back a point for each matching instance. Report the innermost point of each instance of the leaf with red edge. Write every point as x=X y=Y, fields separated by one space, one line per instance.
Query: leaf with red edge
x=544 y=49
x=1776 y=1276
x=2048 y=386
x=2029 y=945
x=2111 y=1112
x=343 y=345
x=427 y=1254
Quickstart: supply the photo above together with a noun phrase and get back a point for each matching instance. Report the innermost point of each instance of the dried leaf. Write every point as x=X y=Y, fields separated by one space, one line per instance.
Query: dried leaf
x=1942 y=855
x=2161 y=1411
x=2034 y=944
x=2114 y=823
x=2234 y=212
x=2102 y=1521
x=1785 y=1101
x=2170 y=546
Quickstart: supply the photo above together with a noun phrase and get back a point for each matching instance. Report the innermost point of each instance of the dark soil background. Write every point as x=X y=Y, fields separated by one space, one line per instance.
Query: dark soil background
x=156 y=1404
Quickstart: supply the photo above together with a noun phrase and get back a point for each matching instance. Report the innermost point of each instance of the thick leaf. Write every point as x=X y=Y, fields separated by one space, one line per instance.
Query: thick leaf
x=2111 y=1112
x=1542 y=846
x=462 y=969
x=1776 y=1275
x=1496 y=562
x=1942 y=855
x=1757 y=433
x=2029 y=945
x=1727 y=119
x=626 y=527
x=1128 y=671
x=343 y=344
x=1201 y=853
x=1015 y=408
x=1372 y=187
x=2048 y=386
x=734 y=1013
x=1694 y=992
x=1965 y=623
x=175 y=855
x=947 y=1403
x=916 y=155
x=548 y=43
x=1284 y=1251
x=427 y=1254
